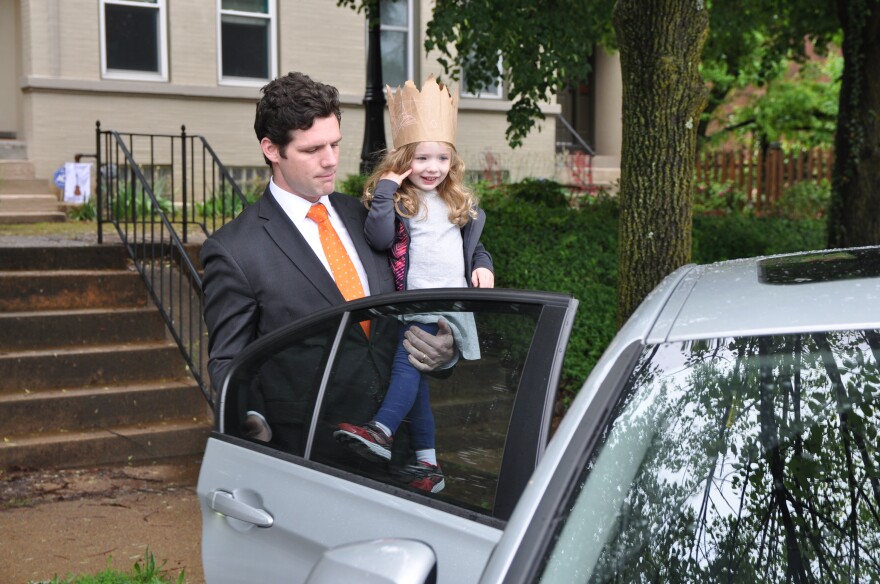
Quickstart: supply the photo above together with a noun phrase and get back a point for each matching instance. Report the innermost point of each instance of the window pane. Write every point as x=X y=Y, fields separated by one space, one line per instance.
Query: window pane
x=282 y=383
x=393 y=12
x=261 y=6
x=470 y=407
x=394 y=70
x=245 y=47
x=132 y=37
x=747 y=460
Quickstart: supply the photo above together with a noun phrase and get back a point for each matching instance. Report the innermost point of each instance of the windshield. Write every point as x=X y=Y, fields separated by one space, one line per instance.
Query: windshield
x=734 y=460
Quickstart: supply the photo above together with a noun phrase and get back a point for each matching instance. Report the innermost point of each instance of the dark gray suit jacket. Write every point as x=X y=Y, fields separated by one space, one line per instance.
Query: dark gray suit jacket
x=260 y=274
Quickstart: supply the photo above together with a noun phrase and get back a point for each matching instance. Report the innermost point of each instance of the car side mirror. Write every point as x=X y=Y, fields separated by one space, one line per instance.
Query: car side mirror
x=381 y=561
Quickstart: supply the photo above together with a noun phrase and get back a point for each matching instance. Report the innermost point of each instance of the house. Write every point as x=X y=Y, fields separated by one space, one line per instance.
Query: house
x=150 y=66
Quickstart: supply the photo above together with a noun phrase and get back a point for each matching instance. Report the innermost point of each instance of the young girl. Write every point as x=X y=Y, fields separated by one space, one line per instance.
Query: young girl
x=421 y=212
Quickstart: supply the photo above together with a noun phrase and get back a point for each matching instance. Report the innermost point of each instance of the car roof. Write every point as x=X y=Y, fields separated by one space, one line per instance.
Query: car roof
x=810 y=291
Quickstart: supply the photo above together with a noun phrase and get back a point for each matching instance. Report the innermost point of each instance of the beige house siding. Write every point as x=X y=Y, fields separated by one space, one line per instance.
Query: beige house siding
x=10 y=98
x=61 y=91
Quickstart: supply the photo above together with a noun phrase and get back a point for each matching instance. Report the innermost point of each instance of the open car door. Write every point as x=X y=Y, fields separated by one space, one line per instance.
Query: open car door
x=270 y=510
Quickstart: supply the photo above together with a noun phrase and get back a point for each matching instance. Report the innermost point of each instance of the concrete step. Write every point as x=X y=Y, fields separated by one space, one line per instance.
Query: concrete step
x=136 y=442
x=94 y=366
x=32 y=217
x=99 y=407
x=13 y=150
x=10 y=169
x=25 y=186
x=16 y=203
x=89 y=257
x=53 y=329
x=70 y=289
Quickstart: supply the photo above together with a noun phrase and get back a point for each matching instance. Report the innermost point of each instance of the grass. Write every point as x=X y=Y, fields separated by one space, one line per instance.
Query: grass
x=144 y=571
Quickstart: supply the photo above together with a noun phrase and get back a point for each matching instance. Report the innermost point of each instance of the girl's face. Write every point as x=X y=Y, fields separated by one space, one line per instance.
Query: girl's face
x=430 y=165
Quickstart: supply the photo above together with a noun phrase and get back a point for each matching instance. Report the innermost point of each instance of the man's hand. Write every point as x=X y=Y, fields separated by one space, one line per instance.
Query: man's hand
x=426 y=351
x=483 y=278
x=256 y=428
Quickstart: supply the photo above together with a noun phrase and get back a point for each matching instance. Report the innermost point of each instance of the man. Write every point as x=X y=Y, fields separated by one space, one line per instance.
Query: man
x=270 y=266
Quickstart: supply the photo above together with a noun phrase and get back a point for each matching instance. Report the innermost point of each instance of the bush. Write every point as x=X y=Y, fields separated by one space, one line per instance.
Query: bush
x=84 y=212
x=546 y=193
x=354 y=185
x=720 y=198
x=574 y=251
x=804 y=200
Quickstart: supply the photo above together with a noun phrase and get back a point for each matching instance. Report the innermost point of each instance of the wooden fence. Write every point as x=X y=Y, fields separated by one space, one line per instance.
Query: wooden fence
x=763 y=176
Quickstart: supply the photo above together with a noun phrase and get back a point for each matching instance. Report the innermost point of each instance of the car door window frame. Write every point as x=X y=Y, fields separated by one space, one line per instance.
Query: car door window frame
x=535 y=391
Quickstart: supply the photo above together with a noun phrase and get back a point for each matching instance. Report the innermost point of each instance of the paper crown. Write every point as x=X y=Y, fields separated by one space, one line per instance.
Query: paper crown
x=427 y=116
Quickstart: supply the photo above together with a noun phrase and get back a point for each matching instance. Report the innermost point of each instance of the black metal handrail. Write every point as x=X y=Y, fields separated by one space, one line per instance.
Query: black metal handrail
x=185 y=187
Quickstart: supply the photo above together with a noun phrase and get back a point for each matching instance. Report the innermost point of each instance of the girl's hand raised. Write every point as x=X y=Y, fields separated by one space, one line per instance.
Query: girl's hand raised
x=483 y=278
x=398 y=178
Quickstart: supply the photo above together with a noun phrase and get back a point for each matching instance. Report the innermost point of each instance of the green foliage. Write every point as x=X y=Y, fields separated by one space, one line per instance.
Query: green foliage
x=547 y=193
x=720 y=197
x=125 y=207
x=353 y=185
x=574 y=250
x=739 y=235
x=144 y=571
x=84 y=212
x=227 y=203
x=804 y=200
x=796 y=112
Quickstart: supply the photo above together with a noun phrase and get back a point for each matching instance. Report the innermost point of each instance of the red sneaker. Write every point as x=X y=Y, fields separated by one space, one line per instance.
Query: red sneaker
x=368 y=440
x=425 y=476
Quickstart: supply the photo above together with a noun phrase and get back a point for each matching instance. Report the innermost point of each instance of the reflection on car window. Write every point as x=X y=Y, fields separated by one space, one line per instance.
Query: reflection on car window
x=471 y=403
x=344 y=378
x=735 y=460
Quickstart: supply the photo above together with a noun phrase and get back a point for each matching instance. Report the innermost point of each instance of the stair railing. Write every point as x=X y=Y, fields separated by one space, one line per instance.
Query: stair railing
x=579 y=160
x=184 y=192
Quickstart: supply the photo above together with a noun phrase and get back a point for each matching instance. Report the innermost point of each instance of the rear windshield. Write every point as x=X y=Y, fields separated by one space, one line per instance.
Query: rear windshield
x=747 y=459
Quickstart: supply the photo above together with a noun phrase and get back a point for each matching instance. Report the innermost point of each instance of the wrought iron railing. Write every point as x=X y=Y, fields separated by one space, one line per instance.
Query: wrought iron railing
x=576 y=158
x=163 y=194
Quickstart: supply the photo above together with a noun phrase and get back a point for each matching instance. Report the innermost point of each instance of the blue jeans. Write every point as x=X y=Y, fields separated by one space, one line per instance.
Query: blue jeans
x=407 y=396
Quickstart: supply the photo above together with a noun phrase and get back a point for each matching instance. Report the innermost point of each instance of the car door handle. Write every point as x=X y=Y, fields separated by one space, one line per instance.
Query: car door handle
x=225 y=502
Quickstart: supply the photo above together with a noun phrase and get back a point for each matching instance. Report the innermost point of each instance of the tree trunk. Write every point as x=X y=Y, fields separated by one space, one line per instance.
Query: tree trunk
x=663 y=95
x=854 y=213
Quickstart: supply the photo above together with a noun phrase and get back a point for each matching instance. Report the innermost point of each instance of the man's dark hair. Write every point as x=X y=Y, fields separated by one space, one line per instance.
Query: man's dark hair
x=293 y=102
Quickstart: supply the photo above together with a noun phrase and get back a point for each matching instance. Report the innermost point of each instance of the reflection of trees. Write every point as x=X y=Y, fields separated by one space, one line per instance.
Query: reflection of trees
x=760 y=464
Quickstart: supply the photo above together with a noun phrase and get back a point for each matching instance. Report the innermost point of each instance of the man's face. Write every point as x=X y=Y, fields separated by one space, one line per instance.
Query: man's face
x=308 y=165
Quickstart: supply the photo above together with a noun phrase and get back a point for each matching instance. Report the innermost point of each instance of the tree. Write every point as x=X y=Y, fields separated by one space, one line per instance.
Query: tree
x=853 y=218
x=663 y=97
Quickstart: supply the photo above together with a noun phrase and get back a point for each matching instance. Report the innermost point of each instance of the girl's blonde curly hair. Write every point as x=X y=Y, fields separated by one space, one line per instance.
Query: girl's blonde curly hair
x=459 y=199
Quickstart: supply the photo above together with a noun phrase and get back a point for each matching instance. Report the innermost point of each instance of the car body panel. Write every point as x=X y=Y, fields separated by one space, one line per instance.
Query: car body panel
x=315 y=508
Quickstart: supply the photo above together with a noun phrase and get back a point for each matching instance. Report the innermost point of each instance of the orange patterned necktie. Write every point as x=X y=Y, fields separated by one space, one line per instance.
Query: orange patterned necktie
x=344 y=272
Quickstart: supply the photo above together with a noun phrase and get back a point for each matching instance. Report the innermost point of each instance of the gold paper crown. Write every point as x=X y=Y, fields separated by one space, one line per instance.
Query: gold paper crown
x=427 y=116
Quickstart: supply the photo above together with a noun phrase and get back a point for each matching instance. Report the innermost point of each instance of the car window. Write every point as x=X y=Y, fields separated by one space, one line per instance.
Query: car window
x=330 y=373
x=747 y=459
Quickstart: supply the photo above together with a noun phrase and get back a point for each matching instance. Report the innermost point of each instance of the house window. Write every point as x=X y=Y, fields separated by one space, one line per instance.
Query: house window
x=247 y=47
x=133 y=39
x=494 y=90
x=395 y=18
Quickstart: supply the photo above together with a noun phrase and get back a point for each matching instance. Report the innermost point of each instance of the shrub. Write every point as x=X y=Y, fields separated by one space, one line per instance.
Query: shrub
x=547 y=193
x=804 y=200
x=353 y=185
x=84 y=212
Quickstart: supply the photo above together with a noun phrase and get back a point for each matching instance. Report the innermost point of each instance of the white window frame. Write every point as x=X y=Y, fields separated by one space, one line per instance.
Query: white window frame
x=497 y=94
x=271 y=16
x=162 y=73
x=408 y=29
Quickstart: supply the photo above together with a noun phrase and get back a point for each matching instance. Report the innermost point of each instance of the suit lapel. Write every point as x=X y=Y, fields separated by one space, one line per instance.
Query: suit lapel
x=291 y=242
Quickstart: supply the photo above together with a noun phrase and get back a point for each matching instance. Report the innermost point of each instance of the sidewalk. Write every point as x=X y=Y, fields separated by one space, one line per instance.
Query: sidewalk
x=80 y=521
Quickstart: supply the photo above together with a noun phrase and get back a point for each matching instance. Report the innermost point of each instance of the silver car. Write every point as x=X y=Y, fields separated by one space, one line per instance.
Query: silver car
x=728 y=433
